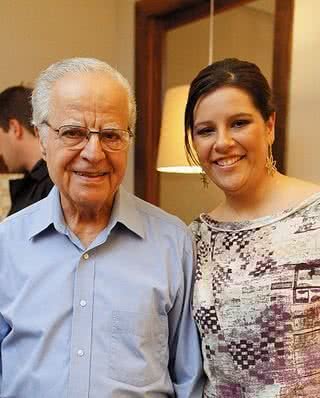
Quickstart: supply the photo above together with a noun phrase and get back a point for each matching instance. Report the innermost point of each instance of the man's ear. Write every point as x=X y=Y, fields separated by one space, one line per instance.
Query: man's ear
x=42 y=144
x=16 y=128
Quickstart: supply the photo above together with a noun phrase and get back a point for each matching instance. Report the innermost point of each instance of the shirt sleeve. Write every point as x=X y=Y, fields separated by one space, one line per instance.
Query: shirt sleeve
x=185 y=353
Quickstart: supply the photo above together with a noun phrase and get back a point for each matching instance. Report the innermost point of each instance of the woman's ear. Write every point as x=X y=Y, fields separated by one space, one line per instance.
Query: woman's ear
x=270 y=124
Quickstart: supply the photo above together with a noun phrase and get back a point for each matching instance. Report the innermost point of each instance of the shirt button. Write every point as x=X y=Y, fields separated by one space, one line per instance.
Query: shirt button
x=86 y=256
x=80 y=353
x=83 y=303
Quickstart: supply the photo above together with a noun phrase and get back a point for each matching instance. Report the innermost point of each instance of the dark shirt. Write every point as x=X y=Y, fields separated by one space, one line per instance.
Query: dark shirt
x=32 y=187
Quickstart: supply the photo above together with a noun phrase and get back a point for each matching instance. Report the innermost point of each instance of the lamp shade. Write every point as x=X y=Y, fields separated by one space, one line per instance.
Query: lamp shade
x=171 y=154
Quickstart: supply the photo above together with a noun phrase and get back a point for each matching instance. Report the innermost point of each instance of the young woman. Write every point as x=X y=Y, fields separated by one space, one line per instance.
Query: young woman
x=257 y=283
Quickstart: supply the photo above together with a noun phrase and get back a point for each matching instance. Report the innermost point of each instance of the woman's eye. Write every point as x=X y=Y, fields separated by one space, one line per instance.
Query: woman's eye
x=205 y=131
x=240 y=123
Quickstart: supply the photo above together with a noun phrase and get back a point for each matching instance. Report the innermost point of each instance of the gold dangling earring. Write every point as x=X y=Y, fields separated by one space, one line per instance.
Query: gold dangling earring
x=204 y=179
x=270 y=162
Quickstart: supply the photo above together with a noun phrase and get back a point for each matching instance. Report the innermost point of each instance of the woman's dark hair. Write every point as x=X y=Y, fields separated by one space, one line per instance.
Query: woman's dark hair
x=230 y=72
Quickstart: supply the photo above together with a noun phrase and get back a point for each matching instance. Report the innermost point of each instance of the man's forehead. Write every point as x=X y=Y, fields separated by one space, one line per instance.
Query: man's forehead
x=89 y=92
x=85 y=83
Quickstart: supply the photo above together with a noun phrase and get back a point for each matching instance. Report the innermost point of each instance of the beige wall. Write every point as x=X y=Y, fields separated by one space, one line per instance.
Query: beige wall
x=304 y=115
x=124 y=51
x=33 y=34
x=246 y=33
x=37 y=33
x=243 y=32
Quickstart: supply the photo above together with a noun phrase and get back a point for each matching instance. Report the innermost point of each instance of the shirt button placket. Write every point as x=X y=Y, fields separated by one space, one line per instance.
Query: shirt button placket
x=82 y=328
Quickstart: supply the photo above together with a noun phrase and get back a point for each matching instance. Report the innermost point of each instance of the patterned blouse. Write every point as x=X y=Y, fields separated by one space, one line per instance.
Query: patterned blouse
x=257 y=304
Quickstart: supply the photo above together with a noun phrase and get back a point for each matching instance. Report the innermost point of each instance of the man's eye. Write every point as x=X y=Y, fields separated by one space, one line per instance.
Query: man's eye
x=73 y=133
x=111 y=135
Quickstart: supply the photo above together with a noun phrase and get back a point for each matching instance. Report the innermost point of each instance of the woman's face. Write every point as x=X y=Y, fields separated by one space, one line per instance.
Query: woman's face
x=231 y=139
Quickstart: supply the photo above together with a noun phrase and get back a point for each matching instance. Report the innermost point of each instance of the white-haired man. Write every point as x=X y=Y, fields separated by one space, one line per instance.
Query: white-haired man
x=94 y=283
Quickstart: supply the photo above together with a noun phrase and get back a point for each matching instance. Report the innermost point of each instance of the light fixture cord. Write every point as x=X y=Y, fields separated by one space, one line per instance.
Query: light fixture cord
x=211 y=32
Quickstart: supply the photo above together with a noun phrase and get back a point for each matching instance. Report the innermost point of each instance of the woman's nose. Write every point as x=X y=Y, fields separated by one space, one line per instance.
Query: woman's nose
x=223 y=141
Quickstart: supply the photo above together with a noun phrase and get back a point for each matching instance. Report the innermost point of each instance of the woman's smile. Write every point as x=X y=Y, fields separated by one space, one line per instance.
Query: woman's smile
x=228 y=161
x=231 y=140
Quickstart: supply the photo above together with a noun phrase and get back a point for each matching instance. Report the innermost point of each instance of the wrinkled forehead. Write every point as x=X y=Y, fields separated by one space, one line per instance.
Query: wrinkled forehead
x=97 y=90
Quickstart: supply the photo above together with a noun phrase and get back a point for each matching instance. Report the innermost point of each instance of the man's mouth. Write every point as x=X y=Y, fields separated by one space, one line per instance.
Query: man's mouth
x=228 y=161
x=90 y=174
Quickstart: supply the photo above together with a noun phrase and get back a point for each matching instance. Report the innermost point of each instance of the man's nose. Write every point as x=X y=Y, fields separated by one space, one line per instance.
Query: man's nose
x=93 y=150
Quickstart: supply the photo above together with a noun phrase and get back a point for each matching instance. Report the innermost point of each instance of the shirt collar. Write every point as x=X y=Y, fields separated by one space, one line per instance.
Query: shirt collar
x=39 y=170
x=38 y=173
x=50 y=213
x=124 y=211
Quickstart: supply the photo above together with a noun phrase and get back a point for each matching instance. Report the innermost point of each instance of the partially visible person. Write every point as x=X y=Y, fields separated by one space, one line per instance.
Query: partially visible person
x=257 y=284
x=95 y=283
x=20 y=149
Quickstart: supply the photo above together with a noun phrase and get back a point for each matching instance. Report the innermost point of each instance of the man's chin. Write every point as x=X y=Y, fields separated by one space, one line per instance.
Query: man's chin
x=91 y=202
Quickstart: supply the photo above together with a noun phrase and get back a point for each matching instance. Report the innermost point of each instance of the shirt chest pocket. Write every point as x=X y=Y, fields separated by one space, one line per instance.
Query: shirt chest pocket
x=139 y=347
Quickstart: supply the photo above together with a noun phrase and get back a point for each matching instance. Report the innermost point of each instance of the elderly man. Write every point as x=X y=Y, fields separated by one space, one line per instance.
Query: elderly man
x=94 y=283
x=20 y=149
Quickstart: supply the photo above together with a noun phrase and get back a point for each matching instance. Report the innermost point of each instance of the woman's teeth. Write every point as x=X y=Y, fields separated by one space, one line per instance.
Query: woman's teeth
x=228 y=161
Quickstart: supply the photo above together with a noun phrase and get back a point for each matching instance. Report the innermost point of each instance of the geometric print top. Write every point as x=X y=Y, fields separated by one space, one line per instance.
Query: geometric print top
x=257 y=304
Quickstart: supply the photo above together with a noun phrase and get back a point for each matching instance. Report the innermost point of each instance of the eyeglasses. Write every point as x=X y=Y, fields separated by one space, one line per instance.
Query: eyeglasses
x=76 y=137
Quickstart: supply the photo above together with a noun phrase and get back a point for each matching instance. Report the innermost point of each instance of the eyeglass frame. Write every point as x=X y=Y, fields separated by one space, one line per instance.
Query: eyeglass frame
x=90 y=132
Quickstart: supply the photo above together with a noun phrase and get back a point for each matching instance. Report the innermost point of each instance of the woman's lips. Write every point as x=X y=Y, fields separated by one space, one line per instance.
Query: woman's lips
x=228 y=161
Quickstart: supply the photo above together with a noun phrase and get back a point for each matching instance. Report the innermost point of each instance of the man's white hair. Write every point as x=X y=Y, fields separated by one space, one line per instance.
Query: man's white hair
x=41 y=95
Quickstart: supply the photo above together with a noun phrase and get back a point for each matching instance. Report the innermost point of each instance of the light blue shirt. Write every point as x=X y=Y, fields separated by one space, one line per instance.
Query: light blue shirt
x=109 y=321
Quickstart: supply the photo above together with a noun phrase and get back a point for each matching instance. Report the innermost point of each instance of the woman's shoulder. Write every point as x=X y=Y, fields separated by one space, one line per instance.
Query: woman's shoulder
x=199 y=228
x=194 y=226
x=300 y=190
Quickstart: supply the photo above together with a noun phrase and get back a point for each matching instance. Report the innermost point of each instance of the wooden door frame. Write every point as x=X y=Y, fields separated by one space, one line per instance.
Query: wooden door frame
x=153 y=19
